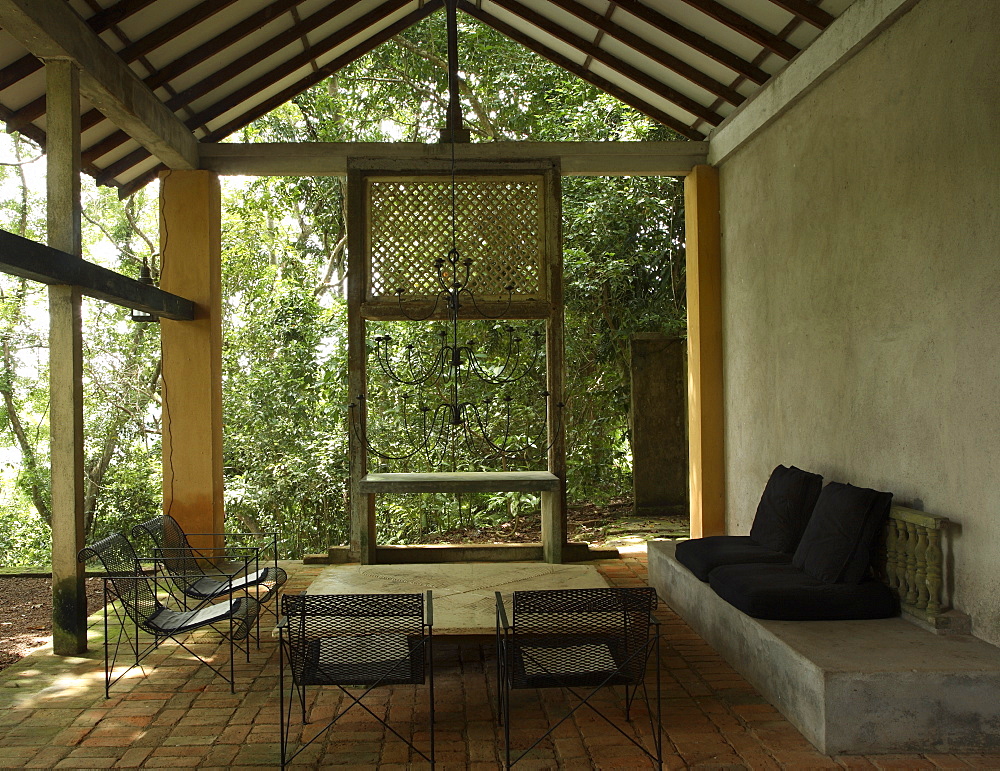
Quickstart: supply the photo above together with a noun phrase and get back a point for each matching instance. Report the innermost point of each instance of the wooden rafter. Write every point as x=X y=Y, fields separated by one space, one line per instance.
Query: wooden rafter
x=699 y=43
x=599 y=54
x=643 y=46
x=745 y=27
x=568 y=64
x=262 y=108
x=807 y=12
x=50 y=32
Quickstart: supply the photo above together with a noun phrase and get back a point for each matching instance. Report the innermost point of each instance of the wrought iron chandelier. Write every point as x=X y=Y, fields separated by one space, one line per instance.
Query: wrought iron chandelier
x=439 y=414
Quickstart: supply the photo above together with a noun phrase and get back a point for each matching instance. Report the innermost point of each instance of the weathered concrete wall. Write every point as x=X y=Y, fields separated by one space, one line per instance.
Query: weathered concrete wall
x=861 y=287
x=658 y=416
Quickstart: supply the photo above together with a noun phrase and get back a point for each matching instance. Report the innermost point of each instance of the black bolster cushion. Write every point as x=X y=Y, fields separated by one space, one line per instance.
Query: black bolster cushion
x=784 y=593
x=788 y=499
x=702 y=555
x=840 y=539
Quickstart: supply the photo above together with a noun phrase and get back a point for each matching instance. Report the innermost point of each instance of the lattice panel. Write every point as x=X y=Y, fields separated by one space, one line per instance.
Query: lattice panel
x=499 y=225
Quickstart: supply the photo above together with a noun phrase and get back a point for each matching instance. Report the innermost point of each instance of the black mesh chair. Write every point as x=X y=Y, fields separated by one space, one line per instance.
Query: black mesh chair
x=581 y=640
x=204 y=575
x=356 y=642
x=131 y=596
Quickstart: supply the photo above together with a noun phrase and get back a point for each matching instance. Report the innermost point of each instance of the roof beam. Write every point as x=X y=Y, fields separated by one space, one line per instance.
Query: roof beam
x=699 y=43
x=651 y=51
x=599 y=54
x=861 y=23
x=38 y=262
x=49 y=29
x=807 y=12
x=745 y=27
x=577 y=159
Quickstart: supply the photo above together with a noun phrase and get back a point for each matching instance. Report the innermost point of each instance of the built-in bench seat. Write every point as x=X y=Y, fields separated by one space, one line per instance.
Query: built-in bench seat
x=852 y=687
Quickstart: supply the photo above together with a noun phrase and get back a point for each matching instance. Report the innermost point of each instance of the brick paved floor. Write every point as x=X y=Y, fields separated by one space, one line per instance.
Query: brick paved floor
x=53 y=714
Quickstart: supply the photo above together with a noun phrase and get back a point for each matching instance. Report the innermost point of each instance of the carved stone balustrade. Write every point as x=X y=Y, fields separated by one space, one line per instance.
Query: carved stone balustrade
x=913 y=562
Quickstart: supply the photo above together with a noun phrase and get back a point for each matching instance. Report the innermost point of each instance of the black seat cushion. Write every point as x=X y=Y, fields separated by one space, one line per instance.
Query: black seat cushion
x=784 y=509
x=702 y=555
x=784 y=593
x=840 y=539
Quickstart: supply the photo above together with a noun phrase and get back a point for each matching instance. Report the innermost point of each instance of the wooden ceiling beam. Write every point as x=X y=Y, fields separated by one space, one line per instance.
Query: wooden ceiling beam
x=599 y=54
x=50 y=30
x=806 y=11
x=325 y=71
x=643 y=46
x=745 y=27
x=38 y=262
x=568 y=64
x=699 y=43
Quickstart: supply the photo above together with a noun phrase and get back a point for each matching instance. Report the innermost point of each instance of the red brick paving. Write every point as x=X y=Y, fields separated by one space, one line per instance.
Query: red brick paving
x=182 y=716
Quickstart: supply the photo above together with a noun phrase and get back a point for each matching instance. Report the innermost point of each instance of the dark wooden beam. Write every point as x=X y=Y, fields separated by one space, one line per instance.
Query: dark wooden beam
x=699 y=43
x=577 y=69
x=37 y=262
x=745 y=27
x=596 y=52
x=657 y=54
x=807 y=12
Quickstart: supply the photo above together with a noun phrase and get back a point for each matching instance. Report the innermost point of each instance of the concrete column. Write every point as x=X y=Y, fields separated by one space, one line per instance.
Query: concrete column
x=69 y=601
x=658 y=413
x=704 y=305
x=190 y=243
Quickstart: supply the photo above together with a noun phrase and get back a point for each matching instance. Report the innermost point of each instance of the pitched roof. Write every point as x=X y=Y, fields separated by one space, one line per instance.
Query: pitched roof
x=217 y=65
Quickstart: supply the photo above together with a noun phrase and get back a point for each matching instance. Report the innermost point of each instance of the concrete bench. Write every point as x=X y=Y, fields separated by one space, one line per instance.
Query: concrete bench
x=850 y=687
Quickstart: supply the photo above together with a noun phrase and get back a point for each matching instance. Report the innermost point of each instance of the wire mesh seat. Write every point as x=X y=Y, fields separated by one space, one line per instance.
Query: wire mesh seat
x=581 y=640
x=131 y=595
x=359 y=640
x=203 y=575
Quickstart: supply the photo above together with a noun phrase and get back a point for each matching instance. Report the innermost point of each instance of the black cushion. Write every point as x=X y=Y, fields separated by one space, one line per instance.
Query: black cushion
x=840 y=539
x=702 y=555
x=788 y=499
x=784 y=593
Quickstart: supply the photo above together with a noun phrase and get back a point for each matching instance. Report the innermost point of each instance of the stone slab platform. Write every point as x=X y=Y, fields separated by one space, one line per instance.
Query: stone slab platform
x=464 y=600
x=851 y=687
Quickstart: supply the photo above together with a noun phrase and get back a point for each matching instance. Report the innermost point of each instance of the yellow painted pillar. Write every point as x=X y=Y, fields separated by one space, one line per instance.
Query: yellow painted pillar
x=704 y=306
x=190 y=245
x=69 y=598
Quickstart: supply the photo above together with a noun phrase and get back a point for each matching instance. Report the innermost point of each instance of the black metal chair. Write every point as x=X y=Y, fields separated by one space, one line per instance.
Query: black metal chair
x=580 y=640
x=131 y=595
x=359 y=640
x=204 y=575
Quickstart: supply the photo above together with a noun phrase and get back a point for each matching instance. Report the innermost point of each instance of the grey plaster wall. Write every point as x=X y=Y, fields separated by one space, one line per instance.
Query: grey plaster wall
x=861 y=287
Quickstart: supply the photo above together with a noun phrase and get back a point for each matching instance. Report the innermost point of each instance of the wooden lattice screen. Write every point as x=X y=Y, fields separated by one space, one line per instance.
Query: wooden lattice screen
x=499 y=225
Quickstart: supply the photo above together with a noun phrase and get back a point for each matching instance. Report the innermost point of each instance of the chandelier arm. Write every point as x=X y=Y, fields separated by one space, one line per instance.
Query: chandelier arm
x=362 y=438
x=431 y=312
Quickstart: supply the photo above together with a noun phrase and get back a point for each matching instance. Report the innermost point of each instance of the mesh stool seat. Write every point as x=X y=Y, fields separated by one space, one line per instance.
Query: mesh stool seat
x=131 y=596
x=581 y=640
x=354 y=640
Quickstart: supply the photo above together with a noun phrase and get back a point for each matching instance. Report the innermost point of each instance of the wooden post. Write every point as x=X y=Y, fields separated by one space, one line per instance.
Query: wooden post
x=554 y=503
x=705 y=399
x=69 y=600
x=190 y=245
x=363 y=540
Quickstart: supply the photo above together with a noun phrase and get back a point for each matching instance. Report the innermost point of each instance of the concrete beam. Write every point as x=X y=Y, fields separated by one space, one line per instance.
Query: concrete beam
x=50 y=29
x=861 y=23
x=38 y=262
x=655 y=159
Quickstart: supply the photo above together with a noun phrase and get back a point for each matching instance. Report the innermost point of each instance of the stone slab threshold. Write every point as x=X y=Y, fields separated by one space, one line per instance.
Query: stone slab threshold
x=850 y=687
x=441 y=553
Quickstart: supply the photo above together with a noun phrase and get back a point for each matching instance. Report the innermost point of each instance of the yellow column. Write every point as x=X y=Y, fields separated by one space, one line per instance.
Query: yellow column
x=704 y=306
x=190 y=244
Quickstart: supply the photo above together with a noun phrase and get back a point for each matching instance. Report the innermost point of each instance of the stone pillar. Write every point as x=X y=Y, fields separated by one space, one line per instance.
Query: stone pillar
x=658 y=416
x=69 y=600
x=190 y=244
x=704 y=305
